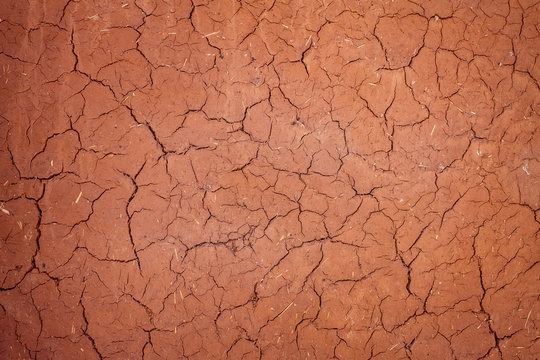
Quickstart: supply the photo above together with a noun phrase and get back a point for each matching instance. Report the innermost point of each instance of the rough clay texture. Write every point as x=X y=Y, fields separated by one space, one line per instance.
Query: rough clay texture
x=269 y=179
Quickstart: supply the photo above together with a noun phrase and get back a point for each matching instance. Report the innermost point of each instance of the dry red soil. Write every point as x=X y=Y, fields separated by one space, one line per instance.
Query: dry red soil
x=269 y=179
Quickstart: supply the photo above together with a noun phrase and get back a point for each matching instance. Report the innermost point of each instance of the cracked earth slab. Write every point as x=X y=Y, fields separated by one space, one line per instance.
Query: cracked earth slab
x=270 y=179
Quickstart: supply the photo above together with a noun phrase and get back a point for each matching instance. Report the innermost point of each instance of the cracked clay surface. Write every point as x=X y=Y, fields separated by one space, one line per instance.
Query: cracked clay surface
x=269 y=179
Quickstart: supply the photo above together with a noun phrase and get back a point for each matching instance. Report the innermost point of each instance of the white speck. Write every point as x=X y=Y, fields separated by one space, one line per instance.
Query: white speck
x=478 y=152
x=511 y=53
x=526 y=169
x=400 y=200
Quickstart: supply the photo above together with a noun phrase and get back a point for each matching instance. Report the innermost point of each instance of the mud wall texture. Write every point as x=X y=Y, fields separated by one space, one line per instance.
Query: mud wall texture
x=269 y=179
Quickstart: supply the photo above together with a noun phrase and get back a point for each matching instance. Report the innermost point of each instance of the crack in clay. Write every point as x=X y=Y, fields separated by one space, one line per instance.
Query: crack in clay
x=269 y=180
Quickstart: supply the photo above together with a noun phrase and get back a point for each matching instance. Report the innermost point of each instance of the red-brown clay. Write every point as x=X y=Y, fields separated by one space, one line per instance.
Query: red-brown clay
x=269 y=179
